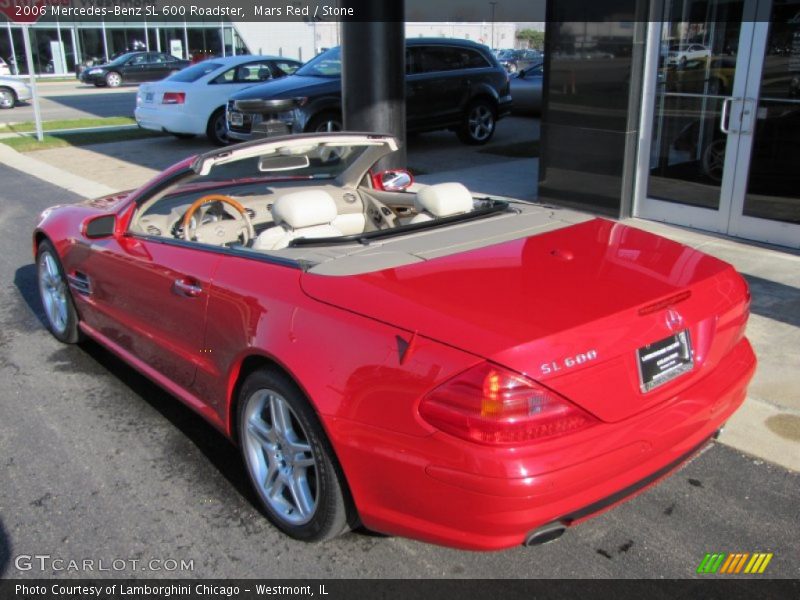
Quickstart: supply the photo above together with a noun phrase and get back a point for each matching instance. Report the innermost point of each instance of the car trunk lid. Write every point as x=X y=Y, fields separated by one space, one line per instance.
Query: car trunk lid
x=569 y=308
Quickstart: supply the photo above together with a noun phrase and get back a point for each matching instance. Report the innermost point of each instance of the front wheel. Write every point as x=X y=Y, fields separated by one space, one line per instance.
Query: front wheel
x=478 y=124
x=7 y=98
x=59 y=311
x=113 y=79
x=325 y=122
x=289 y=459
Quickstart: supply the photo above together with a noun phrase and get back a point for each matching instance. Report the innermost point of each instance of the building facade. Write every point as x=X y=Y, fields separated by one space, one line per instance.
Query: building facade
x=683 y=111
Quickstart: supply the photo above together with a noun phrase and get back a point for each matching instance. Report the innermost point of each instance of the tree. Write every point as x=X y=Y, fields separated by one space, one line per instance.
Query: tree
x=534 y=39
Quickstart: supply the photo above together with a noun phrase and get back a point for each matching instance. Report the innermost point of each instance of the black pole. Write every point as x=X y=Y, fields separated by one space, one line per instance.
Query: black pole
x=373 y=73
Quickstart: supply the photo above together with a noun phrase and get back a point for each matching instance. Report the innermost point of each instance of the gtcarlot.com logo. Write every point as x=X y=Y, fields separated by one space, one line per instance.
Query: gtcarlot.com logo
x=744 y=563
x=48 y=563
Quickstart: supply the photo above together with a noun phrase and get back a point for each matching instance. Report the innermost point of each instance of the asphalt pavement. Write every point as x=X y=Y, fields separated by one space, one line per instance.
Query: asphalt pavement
x=75 y=100
x=98 y=463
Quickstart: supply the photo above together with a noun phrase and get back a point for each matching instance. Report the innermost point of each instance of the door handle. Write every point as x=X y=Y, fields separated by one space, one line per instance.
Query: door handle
x=724 y=127
x=186 y=288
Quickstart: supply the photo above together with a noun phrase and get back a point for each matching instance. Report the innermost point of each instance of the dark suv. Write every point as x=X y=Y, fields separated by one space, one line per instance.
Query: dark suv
x=450 y=84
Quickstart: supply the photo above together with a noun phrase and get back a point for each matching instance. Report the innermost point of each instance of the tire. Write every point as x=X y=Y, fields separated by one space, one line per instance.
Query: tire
x=183 y=136
x=217 y=130
x=328 y=121
x=304 y=495
x=59 y=309
x=713 y=160
x=113 y=79
x=479 y=123
x=7 y=98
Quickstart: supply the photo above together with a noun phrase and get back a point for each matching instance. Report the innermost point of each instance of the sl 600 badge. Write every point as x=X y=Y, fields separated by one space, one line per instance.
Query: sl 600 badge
x=568 y=362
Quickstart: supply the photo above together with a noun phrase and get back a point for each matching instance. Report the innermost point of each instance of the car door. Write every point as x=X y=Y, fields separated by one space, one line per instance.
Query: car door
x=150 y=299
x=439 y=89
x=133 y=70
x=155 y=67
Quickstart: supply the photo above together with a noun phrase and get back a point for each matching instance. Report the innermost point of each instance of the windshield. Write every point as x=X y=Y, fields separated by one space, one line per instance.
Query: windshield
x=195 y=72
x=122 y=58
x=327 y=64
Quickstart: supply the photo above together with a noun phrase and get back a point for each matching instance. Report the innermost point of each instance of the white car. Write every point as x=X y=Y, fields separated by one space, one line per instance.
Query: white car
x=681 y=54
x=192 y=101
x=13 y=90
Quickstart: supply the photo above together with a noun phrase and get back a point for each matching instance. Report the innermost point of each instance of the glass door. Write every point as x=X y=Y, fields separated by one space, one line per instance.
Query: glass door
x=718 y=114
x=766 y=200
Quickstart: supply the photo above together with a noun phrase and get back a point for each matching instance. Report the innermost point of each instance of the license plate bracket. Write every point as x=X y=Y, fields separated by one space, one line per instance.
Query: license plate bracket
x=236 y=119
x=664 y=360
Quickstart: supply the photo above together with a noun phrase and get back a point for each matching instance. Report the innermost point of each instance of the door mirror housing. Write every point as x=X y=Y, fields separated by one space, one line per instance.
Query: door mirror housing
x=99 y=227
x=394 y=180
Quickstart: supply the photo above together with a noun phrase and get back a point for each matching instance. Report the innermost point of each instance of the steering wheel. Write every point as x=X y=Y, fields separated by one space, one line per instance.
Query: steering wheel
x=219 y=231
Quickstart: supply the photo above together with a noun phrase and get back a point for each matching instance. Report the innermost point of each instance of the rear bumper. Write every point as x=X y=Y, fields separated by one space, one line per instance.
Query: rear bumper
x=443 y=490
x=169 y=121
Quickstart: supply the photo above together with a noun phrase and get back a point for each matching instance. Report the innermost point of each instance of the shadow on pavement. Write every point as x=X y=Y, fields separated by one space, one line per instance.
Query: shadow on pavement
x=214 y=446
x=5 y=549
x=774 y=300
x=25 y=282
x=99 y=104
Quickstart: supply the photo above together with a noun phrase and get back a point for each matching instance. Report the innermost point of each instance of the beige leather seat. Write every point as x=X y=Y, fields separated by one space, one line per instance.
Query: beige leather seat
x=306 y=214
x=441 y=200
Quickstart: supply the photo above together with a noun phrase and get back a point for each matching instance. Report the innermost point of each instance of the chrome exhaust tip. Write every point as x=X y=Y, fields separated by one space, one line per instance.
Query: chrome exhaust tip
x=546 y=533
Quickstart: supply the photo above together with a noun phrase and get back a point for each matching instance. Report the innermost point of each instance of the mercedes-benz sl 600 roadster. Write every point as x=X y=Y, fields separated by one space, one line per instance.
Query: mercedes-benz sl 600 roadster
x=468 y=371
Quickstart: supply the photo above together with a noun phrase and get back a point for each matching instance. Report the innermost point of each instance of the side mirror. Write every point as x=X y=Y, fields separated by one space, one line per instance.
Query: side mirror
x=395 y=180
x=102 y=226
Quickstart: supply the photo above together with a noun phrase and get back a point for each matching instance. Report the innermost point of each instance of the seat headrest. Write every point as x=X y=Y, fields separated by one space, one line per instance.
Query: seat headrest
x=444 y=199
x=304 y=209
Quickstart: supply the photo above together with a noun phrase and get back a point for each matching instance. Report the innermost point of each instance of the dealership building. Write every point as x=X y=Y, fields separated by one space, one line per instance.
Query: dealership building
x=682 y=111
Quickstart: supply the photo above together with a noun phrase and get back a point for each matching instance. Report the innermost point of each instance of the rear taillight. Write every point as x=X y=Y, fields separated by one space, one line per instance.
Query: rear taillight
x=492 y=405
x=173 y=98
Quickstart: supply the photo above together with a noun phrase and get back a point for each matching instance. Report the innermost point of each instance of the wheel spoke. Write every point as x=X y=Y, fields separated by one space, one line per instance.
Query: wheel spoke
x=281 y=418
x=301 y=494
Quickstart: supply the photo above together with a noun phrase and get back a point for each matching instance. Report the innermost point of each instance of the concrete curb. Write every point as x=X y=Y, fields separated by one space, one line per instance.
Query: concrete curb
x=53 y=175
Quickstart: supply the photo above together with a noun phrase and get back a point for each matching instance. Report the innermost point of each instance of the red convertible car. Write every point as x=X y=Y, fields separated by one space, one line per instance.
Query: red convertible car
x=468 y=371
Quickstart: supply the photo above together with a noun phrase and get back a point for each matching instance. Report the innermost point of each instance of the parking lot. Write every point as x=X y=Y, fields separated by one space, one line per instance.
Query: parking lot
x=98 y=463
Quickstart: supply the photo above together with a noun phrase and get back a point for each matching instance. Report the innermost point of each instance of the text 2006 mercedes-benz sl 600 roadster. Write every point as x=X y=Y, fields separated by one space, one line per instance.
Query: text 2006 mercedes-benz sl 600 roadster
x=462 y=370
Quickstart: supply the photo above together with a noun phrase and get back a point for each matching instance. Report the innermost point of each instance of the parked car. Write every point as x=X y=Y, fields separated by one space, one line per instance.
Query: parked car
x=192 y=102
x=4 y=68
x=680 y=54
x=700 y=76
x=133 y=67
x=13 y=90
x=526 y=89
x=514 y=61
x=450 y=84
x=474 y=372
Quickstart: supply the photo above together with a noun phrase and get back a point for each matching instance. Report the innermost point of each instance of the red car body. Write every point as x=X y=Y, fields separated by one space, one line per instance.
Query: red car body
x=567 y=309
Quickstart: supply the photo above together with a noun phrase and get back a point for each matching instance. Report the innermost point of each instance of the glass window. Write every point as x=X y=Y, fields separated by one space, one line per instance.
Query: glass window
x=195 y=72
x=287 y=66
x=327 y=64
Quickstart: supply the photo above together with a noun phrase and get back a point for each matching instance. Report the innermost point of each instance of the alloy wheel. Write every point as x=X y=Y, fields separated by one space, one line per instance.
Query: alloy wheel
x=481 y=122
x=54 y=293
x=280 y=457
x=6 y=99
x=113 y=80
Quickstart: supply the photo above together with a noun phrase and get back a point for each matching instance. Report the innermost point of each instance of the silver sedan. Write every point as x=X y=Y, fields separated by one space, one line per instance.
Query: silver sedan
x=13 y=90
x=526 y=90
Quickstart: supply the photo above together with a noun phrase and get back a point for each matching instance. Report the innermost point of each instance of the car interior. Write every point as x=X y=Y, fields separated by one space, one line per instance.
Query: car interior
x=318 y=204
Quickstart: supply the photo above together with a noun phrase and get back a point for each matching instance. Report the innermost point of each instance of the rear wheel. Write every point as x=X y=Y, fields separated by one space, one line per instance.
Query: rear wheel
x=113 y=79
x=478 y=123
x=217 y=129
x=325 y=122
x=59 y=310
x=7 y=98
x=289 y=459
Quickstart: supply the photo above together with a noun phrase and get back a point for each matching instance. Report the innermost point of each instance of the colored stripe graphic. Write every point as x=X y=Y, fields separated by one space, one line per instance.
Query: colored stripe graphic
x=734 y=563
